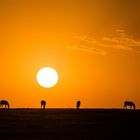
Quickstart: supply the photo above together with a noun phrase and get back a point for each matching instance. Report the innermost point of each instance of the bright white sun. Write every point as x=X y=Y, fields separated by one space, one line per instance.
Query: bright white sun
x=47 y=77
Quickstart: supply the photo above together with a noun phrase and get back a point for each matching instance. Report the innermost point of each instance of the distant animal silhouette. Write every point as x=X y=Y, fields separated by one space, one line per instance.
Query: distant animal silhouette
x=130 y=104
x=43 y=104
x=78 y=103
x=4 y=104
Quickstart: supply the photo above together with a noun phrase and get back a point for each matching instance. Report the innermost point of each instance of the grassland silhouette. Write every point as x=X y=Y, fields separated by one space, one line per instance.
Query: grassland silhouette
x=68 y=124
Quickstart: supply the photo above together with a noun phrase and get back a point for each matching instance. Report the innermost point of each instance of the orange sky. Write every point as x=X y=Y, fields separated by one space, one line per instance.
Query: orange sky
x=94 y=45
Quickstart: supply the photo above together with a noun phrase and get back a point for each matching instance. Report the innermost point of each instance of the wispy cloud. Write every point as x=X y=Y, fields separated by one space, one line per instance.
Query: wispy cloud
x=119 y=41
x=87 y=49
x=92 y=45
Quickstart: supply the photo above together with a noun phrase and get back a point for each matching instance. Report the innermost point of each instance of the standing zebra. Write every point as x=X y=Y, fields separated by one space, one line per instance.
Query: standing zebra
x=43 y=104
x=129 y=103
x=78 y=103
x=4 y=104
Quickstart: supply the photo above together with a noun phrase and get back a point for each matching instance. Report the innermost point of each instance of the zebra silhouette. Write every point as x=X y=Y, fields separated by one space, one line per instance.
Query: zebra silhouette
x=43 y=104
x=130 y=104
x=4 y=104
x=78 y=103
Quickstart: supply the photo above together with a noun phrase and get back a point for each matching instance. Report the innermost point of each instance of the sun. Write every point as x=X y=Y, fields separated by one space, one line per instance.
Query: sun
x=47 y=77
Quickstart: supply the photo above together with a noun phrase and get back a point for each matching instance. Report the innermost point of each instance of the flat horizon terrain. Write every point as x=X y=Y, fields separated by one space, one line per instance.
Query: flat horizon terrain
x=69 y=124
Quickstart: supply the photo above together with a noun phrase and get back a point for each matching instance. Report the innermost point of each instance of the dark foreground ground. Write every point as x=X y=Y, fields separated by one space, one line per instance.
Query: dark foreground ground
x=69 y=124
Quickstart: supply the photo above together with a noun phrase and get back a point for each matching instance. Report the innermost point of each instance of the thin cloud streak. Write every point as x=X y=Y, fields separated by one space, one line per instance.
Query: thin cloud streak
x=119 y=41
x=87 y=49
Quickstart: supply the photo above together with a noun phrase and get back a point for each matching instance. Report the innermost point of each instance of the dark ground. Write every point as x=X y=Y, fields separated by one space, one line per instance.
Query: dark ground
x=69 y=124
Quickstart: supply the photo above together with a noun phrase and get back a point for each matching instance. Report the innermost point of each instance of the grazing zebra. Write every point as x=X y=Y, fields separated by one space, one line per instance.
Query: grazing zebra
x=78 y=104
x=129 y=103
x=43 y=104
x=4 y=104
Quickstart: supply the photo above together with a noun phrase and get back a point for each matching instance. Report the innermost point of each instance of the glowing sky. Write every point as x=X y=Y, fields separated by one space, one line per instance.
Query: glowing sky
x=93 y=44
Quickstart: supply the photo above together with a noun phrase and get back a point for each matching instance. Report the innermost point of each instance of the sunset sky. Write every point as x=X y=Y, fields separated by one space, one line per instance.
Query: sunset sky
x=94 y=45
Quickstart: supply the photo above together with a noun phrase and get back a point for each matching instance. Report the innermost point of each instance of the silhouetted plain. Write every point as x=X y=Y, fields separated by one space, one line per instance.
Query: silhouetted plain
x=69 y=124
